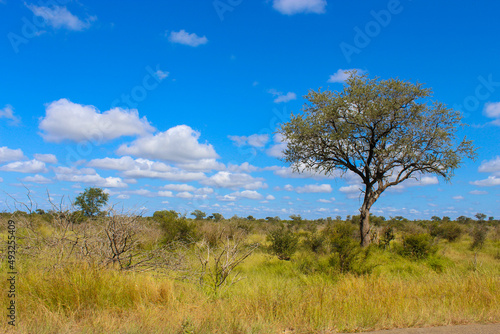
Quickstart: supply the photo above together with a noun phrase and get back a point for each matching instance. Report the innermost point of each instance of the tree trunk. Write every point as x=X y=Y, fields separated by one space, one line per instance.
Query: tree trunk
x=364 y=226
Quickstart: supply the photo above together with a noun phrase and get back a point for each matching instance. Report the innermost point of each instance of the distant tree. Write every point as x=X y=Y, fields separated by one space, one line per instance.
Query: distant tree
x=217 y=217
x=383 y=131
x=480 y=217
x=436 y=219
x=446 y=219
x=198 y=214
x=40 y=212
x=296 y=218
x=91 y=201
x=250 y=218
x=463 y=219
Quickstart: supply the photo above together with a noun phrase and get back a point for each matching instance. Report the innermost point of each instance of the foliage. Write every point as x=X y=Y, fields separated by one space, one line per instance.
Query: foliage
x=478 y=237
x=345 y=248
x=450 y=231
x=177 y=229
x=198 y=214
x=380 y=130
x=387 y=236
x=217 y=217
x=417 y=246
x=91 y=201
x=283 y=242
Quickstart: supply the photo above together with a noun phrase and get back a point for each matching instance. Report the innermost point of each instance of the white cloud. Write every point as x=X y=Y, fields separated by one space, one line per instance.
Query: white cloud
x=178 y=144
x=65 y=120
x=288 y=187
x=254 y=140
x=491 y=166
x=243 y=168
x=226 y=198
x=342 y=75
x=144 y=168
x=47 y=158
x=270 y=197
x=280 y=97
x=489 y=182
x=162 y=74
x=352 y=191
x=7 y=154
x=87 y=175
x=321 y=200
x=203 y=165
x=60 y=17
x=279 y=146
x=314 y=188
x=291 y=7
x=32 y=166
x=478 y=192
x=204 y=191
x=492 y=110
x=179 y=187
x=458 y=198
x=8 y=113
x=37 y=179
x=165 y=193
x=183 y=37
x=234 y=180
x=185 y=194
x=250 y=194
x=1 y=180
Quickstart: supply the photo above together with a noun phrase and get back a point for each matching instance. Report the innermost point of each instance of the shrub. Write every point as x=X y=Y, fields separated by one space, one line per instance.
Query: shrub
x=315 y=242
x=478 y=237
x=177 y=229
x=343 y=245
x=450 y=231
x=283 y=242
x=417 y=246
x=387 y=236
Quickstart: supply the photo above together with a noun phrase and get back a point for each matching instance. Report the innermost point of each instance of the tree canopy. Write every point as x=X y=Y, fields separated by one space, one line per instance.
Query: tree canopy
x=91 y=201
x=383 y=131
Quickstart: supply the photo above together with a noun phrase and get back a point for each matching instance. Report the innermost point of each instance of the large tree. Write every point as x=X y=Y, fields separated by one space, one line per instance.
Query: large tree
x=384 y=131
x=91 y=201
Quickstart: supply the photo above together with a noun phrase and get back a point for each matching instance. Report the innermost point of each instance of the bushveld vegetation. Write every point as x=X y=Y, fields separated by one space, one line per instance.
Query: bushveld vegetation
x=124 y=273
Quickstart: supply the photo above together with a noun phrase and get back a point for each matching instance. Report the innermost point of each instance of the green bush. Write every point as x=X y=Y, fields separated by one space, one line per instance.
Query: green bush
x=176 y=229
x=345 y=247
x=417 y=246
x=450 y=231
x=283 y=242
x=478 y=237
x=315 y=242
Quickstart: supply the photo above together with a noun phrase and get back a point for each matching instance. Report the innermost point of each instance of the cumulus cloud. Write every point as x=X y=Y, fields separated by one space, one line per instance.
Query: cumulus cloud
x=8 y=113
x=47 y=158
x=203 y=165
x=60 y=17
x=65 y=120
x=89 y=176
x=7 y=154
x=270 y=198
x=243 y=168
x=179 y=187
x=314 y=188
x=254 y=140
x=185 y=194
x=492 y=109
x=291 y=7
x=279 y=146
x=491 y=166
x=185 y=38
x=478 y=192
x=37 y=179
x=249 y=194
x=351 y=191
x=178 y=144
x=342 y=75
x=234 y=180
x=144 y=168
x=280 y=97
x=165 y=193
x=489 y=182
x=32 y=166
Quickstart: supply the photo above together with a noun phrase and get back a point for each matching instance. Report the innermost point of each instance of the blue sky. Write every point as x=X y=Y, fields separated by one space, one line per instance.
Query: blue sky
x=175 y=104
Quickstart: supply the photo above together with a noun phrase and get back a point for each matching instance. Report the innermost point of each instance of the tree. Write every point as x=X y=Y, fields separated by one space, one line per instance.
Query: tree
x=198 y=214
x=382 y=131
x=480 y=217
x=91 y=201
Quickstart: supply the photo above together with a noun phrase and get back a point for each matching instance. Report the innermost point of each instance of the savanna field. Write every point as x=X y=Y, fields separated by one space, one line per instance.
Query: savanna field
x=121 y=273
